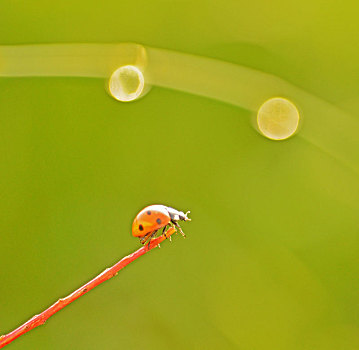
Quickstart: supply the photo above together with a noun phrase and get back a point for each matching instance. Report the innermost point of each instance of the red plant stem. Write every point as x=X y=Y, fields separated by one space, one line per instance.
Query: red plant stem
x=41 y=318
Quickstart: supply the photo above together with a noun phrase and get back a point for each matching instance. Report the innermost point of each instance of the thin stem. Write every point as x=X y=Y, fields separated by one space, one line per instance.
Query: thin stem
x=41 y=318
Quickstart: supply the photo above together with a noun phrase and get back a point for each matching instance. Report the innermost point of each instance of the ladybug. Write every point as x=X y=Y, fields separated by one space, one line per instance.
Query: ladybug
x=152 y=218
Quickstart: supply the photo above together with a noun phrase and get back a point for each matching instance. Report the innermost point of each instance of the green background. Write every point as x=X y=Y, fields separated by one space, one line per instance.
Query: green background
x=272 y=255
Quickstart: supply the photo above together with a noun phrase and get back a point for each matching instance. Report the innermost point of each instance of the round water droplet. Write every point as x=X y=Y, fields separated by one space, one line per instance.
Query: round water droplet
x=278 y=118
x=127 y=83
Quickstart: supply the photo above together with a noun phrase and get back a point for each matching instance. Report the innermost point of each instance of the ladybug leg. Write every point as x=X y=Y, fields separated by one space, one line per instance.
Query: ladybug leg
x=179 y=229
x=149 y=238
x=144 y=239
x=164 y=233
x=171 y=223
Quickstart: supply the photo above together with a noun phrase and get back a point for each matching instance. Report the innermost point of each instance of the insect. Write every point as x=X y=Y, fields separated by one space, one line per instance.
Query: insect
x=152 y=218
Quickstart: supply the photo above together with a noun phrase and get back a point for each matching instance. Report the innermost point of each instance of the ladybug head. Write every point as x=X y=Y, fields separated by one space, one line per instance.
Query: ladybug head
x=184 y=216
x=178 y=215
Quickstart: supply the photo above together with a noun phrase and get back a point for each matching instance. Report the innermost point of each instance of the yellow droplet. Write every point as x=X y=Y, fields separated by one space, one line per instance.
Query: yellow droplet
x=126 y=83
x=278 y=118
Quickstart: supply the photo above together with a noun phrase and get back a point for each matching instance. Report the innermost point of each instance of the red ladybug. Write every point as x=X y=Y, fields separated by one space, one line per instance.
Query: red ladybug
x=150 y=219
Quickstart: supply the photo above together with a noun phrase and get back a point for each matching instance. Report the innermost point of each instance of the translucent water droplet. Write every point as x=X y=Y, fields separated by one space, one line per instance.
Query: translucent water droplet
x=278 y=118
x=127 y=83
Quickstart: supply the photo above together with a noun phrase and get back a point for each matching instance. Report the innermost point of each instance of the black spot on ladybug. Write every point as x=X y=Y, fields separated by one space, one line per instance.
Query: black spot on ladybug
x=149 y=212
x=140 y=228
x=158 y=221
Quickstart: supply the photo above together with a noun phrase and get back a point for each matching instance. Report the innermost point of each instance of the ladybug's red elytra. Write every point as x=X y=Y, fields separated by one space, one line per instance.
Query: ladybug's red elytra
x=150 y=219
